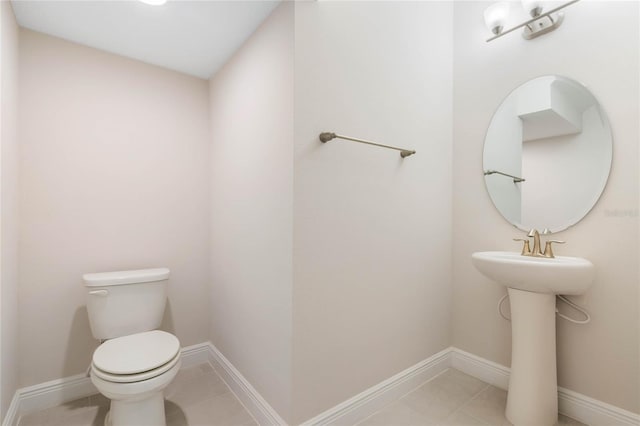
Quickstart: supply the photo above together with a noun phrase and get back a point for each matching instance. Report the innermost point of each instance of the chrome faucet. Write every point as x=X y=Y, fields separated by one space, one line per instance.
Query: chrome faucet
x=537 y=249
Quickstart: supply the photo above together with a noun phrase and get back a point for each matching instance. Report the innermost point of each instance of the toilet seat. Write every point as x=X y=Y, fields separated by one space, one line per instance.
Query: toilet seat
x=131 y=378
x=136 y=357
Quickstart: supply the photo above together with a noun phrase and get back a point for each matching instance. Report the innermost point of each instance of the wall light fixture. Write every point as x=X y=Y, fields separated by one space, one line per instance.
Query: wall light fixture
x=495 y=17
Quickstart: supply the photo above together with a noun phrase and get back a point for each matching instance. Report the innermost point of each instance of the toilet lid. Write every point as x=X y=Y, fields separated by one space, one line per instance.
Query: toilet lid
x=136 y=353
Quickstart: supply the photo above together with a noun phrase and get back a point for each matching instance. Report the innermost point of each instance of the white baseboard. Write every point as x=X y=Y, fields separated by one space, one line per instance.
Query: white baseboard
x=11 y=417
x=373 y=399
x=593 y=412
x=195 y=355
x=56 y=392
x=46 y=395
x=248 y=395
x=573 y=404
x=480 y=368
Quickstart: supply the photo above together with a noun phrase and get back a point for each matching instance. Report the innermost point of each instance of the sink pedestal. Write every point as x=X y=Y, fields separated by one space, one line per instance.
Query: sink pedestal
x=533 y=389
x=532 y=283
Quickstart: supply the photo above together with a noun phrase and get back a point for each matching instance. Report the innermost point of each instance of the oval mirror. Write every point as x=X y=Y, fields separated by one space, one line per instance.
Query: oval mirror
x=547 y=154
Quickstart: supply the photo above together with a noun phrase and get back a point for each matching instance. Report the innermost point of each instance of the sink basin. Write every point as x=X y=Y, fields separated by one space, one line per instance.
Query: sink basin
x=560 y=275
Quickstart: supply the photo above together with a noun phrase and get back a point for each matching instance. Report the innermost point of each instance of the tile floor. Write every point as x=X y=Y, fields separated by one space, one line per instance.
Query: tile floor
x=199 y=397
x=450 y=399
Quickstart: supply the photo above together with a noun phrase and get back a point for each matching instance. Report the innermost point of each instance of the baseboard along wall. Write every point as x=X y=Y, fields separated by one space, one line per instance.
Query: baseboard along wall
x=572 y=404
x=55 y=392
x=351 y=411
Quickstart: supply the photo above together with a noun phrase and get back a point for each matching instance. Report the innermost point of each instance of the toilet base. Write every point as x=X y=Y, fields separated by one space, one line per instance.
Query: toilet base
x=145 y=412
x=137 y=403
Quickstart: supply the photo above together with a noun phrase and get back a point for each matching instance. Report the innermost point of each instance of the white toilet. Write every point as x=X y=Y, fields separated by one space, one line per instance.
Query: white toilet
x=135 y=362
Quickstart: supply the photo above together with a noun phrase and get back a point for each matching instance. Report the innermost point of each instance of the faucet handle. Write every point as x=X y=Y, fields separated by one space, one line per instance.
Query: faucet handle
x=548 y=251
x=526 y=250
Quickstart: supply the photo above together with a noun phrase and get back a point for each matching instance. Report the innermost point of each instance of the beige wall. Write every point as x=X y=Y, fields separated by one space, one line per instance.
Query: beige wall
x=331 y=265
x=599 y=359
x=251 y=217
x=8 y=206
x=372 y=232
x=114 y=175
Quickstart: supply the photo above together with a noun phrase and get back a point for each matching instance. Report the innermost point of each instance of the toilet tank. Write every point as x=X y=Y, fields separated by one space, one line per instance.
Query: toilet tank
x=125 y=302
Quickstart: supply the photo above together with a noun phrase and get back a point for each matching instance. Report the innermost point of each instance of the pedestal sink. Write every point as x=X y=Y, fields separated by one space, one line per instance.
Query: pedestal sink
x=533 y=283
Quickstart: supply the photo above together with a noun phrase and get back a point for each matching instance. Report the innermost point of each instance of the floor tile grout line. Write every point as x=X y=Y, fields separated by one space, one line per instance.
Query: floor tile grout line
x=93 y=405
x=207 y=399
x=229 y=391
x=488 y=385
x=202 y=373
x=400 y=398
x=233 y=393
x=75 y=409
x=468 y=401
x=465 y=403
x=94 y=401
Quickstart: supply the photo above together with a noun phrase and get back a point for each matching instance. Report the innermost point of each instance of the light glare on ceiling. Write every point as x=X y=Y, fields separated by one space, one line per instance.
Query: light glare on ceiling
x=154 y=2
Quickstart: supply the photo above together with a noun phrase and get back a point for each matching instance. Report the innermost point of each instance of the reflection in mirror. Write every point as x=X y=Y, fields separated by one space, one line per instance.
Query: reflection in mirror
x=547 y=154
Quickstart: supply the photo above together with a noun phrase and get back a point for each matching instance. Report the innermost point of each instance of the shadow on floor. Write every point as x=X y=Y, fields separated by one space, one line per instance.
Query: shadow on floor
x=175 y=415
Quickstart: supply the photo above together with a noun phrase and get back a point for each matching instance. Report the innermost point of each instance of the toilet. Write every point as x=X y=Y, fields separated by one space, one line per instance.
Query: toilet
x=135 y=362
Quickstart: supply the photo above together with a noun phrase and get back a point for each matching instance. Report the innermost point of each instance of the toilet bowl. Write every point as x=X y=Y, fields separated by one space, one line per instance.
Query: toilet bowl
x=132 y=371
x=135 y=362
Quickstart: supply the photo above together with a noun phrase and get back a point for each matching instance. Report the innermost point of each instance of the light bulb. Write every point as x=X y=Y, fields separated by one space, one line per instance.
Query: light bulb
x=495 y=16
x=532 y=7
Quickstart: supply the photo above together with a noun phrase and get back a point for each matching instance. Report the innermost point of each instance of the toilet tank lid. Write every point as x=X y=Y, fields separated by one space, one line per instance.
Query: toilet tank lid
x=101 y=279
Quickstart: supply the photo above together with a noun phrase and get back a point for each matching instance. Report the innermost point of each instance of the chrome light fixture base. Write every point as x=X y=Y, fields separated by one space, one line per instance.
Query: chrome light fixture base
x=538 y=25
x=542 y=26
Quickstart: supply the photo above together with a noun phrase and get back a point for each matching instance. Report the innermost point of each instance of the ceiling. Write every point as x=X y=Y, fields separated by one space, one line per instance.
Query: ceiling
x=192 y=37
